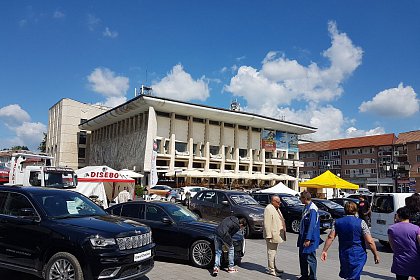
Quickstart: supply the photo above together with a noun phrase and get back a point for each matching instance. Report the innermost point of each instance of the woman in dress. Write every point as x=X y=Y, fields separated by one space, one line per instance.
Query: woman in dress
x=353 y=235
x=404 y=238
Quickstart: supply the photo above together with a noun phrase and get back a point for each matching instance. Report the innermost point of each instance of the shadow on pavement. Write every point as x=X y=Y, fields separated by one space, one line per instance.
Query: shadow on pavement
x=377 y=276
x=262 y=269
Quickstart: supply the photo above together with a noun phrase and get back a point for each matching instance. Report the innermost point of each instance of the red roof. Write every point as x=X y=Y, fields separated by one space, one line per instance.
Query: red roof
x=407 y=137
x=366 y=141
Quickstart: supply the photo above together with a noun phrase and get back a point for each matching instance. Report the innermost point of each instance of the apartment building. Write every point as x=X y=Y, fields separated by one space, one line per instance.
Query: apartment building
x=407 y=155
x=65 y=141
x=218 y=144
x=366 y=161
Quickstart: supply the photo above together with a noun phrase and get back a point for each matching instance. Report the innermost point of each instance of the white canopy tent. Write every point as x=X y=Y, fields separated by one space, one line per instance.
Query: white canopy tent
x=103 y=182
x=131 y=174
x=279 y=188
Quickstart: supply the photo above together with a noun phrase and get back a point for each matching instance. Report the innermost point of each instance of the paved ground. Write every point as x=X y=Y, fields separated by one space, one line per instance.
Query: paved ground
x=254 y=263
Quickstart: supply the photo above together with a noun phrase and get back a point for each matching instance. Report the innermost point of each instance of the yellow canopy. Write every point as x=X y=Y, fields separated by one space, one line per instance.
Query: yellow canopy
x=328 y=180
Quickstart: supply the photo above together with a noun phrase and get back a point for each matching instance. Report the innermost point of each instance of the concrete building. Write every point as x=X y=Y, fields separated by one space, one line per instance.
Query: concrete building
x=65 y=141
x=195 y=143
x=381 y=163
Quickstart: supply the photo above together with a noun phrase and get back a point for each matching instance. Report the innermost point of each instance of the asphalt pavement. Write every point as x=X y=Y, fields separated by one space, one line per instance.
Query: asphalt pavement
x=254 y=265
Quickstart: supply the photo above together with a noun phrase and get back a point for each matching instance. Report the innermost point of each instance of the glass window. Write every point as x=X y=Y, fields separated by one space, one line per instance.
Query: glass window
x=82 y=153
x=243 y=199
x=131 y=210
x=221 y=197
x=82 y=137
x=3 y=196
x=116 y=210
x=210 y=197
x=154 y=213
x=34 y=178
x=261 y=198
x=16 y=205
x=383 y=204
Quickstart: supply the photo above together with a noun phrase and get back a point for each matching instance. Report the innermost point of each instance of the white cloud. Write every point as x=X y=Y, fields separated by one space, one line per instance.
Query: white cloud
x=92 y=22
x=352 y=132
x=179 y=85
x=18 y=121
x=394 y=102
x=58 y=14
x=109 y=33
x=109 y=85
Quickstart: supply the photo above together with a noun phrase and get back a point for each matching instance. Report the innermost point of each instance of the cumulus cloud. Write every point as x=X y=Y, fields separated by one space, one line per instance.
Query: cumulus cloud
x=281 y=81
x=352 y=132
x=179 y=85
x=109 y=33
x=18 y=121
x=109 y=85
x=394 y=102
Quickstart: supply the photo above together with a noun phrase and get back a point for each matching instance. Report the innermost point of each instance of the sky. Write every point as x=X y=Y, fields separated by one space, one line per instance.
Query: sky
x=348 y=68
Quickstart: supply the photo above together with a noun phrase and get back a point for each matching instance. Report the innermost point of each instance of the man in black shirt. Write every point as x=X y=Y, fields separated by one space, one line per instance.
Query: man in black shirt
x=364 y=209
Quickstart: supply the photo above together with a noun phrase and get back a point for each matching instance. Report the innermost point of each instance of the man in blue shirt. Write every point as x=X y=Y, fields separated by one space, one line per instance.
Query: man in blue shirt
x=309 y=238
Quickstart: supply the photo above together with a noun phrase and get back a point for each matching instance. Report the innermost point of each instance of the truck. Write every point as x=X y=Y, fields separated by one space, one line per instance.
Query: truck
x=37 y=170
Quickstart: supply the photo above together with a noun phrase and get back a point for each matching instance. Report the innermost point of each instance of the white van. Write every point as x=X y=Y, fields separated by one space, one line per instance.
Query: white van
x=384 y=208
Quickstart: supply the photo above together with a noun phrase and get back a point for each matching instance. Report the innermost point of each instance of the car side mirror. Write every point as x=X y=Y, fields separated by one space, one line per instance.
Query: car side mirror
x=166 y=221
x=225 y=202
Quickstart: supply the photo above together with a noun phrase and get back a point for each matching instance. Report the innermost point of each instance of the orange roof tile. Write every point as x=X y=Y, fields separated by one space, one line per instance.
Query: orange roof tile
x=407 y=137
x=366 y=141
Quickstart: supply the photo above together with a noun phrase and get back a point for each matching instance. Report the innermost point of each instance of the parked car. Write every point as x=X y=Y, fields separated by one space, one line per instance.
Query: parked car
x=291 y=207
x=215 y=205
x=193 y=190
x=164 y=191
x=384 y=208
x=335 y=209
x=61 y=234
x=343 y=200
x=368 y=197
x=177 y=232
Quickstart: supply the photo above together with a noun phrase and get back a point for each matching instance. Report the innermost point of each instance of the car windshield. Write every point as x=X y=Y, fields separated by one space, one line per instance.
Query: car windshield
x=243 y=199
x=332 y=205
x=292 y=200
x=67 y=205
x=59 y=179
x=180 y=214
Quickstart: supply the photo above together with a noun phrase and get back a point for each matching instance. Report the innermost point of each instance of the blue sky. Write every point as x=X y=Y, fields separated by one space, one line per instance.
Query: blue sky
x=349 y=68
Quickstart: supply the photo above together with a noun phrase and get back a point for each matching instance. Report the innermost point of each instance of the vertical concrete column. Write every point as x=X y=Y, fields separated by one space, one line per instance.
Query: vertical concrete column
x=172 y=152
x=222 y=164
x=236 y=147
x=207 y=156
x=249 y=146
x=190 y=152
x=222 y=146
x=172 y=124
x=262 y=156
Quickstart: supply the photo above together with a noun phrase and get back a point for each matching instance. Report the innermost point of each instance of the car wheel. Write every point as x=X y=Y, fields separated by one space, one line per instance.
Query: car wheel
x=202 y=253
x=64 y=266
x=246 y=231
x=295 y=226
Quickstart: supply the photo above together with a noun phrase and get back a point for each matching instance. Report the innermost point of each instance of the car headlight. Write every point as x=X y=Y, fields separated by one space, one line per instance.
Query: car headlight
x=256 y=216
x=100 y=242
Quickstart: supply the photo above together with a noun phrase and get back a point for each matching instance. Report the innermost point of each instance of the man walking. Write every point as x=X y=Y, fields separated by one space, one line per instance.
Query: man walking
x=224 y=232
x=274 y=232
x=364 y=209
x=309 y=237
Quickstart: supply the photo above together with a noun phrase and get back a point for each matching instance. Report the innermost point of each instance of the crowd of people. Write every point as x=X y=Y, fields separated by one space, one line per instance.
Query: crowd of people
x=353 y=235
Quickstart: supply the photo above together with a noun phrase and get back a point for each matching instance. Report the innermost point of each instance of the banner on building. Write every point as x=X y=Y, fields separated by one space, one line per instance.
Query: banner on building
x=268 y=141
x=153 y=171
x=272 y=140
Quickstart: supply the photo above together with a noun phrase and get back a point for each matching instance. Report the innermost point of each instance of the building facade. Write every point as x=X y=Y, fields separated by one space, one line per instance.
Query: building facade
x=380 y=163
x=65 y=141
x=222 y=145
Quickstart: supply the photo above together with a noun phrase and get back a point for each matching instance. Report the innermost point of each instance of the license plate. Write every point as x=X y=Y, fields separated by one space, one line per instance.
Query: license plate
x=381 y=222
x=326 y=225
x=142 y=256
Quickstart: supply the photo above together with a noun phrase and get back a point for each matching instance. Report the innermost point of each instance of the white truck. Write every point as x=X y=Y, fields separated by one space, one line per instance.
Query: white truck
x=37 y=170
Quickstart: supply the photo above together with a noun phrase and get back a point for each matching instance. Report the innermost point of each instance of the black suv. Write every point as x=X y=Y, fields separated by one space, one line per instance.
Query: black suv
x=215 y=205
x=61 y=234
x=292 y=209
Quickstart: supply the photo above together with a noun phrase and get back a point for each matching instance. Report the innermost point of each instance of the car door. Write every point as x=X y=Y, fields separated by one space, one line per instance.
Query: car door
x=222 y=207
x=22 y=235
x=164 y=231
x=3 y=226
x=207 y=206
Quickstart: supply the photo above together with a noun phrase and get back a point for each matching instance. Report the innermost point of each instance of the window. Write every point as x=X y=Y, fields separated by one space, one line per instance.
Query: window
x=418 y=158
x=181 y=146
x=116 y=210
x=82 y=153
x=347 y=162
x=418 y=146
x=360 y=161
x=347 y=172
x=214 y=150
x=221 y=197
x=262 y=199
x=373 y=171
x=243 y=152
x=210 y=197
x=3 y=196
x=156 y=214
x=360 y=171
x=82 y=137
x=16 y=204
x=131 y=210
x=383 y=204
x=34 y=178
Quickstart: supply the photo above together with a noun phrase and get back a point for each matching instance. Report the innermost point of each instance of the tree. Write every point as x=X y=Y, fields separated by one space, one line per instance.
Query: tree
x=18 y=148
x=43 y=145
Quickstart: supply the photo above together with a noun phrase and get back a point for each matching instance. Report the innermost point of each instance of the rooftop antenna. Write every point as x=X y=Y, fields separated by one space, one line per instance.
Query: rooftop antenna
x=234 y=105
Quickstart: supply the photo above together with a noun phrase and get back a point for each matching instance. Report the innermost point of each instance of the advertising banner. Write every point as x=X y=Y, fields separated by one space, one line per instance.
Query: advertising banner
x=268 y=140
x=293 y=143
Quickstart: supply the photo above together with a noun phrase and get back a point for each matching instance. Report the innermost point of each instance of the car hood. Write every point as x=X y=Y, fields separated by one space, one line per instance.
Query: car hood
x=107 y=225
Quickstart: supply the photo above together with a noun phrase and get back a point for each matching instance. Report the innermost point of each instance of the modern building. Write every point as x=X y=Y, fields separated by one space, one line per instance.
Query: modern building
x=65 y=141
x=381 y=162
x=407 y=157
x=195 y=143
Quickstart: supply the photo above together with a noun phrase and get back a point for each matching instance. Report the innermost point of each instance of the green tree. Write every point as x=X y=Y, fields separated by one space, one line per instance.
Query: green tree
x=17 y=148
x=43 y=145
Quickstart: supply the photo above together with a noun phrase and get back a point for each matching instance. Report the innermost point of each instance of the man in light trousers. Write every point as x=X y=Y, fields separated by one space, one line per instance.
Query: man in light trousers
x=274 y=233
